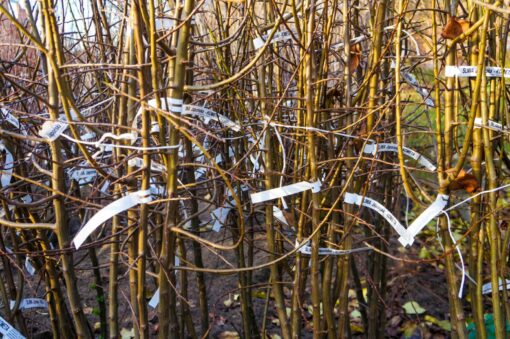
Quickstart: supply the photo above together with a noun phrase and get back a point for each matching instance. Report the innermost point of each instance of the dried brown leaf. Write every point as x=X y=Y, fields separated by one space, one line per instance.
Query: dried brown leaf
x=452 y=29
x=464 y=24
x=464 y=181
x=355 y=57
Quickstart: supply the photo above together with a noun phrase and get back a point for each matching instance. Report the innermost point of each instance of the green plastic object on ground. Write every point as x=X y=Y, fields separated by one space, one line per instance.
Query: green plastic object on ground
x=489 y=326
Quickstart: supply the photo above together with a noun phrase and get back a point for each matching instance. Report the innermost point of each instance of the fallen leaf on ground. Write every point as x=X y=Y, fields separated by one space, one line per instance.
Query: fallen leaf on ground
x=412 y=307
x=355 y=328
x=409 y=328
x=259 y=294
x=444 y=324
x=228 y=302
x=127 y=334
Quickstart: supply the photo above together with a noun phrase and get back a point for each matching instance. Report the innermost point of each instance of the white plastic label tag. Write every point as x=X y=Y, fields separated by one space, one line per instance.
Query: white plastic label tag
x=487 y=288
x=279 y=36
x=425 y=217
x=307 y=250
x=154 y=300
x=154 y=127
x=124 y=136
x=158 y=190
x=495 y=126
x=219 y=216
x=155 y=297
x=208 y=114
x=6 y=177
x=352 y=198
x=278 y=214
x=385 y=147
x=425 y=94
x=138 y=162
x=27 y=199
x=284 y=191
x=29 y=303
x=471 y=71
x=116 y=207
x=84 y=175
x=105 y=186
x=51 y=130
x=406 y=235
x=8 y=331
x=88 y=136
x=10 y=118
x=29 y=267
x=200 y=172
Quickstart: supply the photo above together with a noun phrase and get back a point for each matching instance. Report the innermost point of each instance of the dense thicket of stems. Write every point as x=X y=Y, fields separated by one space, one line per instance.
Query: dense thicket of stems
x=198 y=105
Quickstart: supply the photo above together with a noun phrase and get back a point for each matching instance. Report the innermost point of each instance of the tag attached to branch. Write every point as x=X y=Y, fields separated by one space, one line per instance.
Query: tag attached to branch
x=284 y=191
x=138 y=162
x=471 y=71
x=29 y=267
x=155 y=297
x=279 y=36
x=495 y=126
x=487 y=288
x=385 y=147
x=352 y=198
x=51 y=130
x=6 y=177
x=278 y=214
x=425 y=94
x=29 y=303
x=84 y=175
x=208 y=114
x=425 y=217
x=116 y=207
x=12 y=120
x=307 y=250
x=406 y=235
x=219 y=216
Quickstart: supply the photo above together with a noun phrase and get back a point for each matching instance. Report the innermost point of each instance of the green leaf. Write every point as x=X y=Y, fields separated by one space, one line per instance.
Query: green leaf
x=127 y=334
x=228 y=302
x=412 y=307
x=355 y=314
x=408 y=329
x=444 y=324
x=95 y=311
x=259 y=294
x=424 y=253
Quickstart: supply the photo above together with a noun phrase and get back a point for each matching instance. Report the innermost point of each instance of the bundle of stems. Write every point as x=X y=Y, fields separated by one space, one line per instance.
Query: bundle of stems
x=202 y=103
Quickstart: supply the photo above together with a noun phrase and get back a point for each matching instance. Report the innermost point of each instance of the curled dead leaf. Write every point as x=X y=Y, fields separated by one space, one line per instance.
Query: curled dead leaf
x=455 y=27
x=355 y=57
x=362 y=133
x=465 y=181
x=464 y=24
